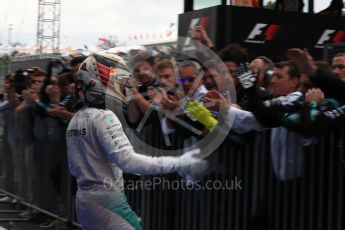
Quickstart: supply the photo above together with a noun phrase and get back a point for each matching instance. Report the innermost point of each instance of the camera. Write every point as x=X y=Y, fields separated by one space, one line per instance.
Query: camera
x=268 y=76
x=20 y=80
x=56 y=67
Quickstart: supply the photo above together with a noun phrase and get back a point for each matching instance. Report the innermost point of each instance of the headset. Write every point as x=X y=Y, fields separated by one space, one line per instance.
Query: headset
x=268 y=68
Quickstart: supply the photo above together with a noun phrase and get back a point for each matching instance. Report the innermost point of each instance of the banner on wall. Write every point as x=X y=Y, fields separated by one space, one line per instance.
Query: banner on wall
x=266 y=32
x=194 y=25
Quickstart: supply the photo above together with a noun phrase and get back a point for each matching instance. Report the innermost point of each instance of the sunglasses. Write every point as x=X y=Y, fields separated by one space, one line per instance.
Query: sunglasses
x=186 y=79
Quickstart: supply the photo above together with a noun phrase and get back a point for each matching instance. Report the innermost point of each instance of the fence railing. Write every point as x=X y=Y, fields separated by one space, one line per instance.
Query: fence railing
x=242 y=192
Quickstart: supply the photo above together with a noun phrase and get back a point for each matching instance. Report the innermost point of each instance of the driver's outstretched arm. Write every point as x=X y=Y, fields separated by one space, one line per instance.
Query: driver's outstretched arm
x=110 y=136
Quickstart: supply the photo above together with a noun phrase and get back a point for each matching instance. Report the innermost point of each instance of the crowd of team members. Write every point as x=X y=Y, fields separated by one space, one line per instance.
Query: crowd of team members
x=297 y=99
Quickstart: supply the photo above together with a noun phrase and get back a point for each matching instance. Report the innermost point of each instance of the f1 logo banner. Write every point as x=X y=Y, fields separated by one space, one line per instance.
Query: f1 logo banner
x=261 y=33
x=330 y=36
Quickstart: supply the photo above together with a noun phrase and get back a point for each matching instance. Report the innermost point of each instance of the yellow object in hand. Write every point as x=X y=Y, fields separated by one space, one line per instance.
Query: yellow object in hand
x=197 y=111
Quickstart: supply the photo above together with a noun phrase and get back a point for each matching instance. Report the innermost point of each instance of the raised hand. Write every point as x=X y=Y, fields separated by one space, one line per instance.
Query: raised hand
x=303 y=59
x=214 y=100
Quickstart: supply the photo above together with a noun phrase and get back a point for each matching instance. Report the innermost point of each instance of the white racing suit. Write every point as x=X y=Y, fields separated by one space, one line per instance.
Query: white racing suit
x=98 y=152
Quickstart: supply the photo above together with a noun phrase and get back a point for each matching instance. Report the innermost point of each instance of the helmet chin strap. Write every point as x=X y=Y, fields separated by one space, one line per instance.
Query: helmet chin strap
x=94 y=98
x=78 y=103
x=101 y=105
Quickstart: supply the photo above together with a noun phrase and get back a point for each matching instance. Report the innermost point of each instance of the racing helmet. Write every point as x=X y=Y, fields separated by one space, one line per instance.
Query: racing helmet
x=102 y=75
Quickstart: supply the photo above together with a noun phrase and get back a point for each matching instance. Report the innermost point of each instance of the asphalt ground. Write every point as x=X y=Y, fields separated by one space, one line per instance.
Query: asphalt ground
x=10 y=219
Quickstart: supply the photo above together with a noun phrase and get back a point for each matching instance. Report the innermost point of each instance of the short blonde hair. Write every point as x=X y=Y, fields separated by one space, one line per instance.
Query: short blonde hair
x=164 y=64
x=340 y=54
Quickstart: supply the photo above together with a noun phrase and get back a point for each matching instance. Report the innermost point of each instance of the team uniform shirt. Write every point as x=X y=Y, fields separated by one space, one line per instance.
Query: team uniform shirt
x=99 y=149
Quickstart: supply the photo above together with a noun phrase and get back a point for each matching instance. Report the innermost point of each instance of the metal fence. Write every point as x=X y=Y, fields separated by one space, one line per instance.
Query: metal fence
x=34 y=167
x=315 y=200
x=4 y=68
